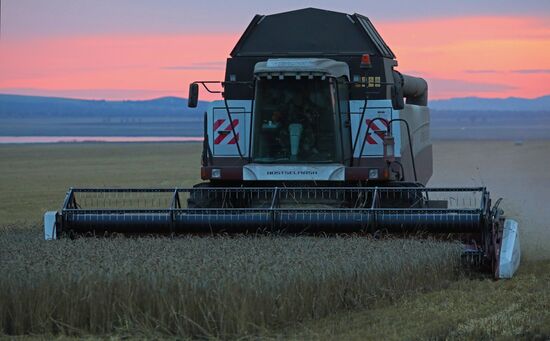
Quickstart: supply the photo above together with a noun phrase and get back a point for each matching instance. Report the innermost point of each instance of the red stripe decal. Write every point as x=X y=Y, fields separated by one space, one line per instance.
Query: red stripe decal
x=219 y=139
x=234 y=139
x=222 y=137
x=376 y=130
x=217 y=124
x=383 y=122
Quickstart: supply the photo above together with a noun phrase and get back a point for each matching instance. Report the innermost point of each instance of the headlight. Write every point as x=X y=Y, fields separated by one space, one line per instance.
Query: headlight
x=216 y=173
x=373 y=173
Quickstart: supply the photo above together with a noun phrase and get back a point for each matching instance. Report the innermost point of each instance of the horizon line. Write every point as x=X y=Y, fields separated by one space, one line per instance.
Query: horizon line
x=206 y=101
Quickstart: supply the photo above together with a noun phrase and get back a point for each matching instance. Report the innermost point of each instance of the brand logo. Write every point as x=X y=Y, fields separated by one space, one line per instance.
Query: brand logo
x=292 y=172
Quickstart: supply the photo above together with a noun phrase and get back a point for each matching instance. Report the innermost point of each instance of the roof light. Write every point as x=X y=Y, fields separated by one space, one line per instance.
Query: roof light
x=365 y=61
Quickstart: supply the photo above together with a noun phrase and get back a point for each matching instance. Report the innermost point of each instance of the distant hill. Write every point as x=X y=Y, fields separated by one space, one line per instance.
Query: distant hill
x=50 y=116
x=34 y=105
x=493 y=104
x=457 y=118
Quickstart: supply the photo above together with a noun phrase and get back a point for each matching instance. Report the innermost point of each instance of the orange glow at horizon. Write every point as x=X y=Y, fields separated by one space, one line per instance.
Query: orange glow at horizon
x=466 y=56
x=149 y=66
x=475 y=56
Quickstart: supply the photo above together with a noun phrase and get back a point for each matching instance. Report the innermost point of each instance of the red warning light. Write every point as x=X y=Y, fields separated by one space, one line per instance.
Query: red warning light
x=365 y=61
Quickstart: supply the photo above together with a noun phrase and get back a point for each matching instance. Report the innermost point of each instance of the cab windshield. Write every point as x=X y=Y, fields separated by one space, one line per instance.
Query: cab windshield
x=295 y=121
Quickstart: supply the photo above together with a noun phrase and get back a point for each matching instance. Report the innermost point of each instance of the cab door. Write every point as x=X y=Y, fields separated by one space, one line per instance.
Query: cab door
x=224 y=140
x=377 y=116
x=344 y=120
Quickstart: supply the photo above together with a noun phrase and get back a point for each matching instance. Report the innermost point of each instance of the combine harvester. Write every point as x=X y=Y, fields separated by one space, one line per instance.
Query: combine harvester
x=312 y=134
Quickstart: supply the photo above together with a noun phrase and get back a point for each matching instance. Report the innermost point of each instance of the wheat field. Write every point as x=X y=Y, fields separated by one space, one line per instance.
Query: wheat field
x=205 y=286
x=258 y=286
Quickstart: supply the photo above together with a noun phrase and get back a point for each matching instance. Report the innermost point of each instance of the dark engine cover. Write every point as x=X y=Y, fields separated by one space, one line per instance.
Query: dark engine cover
x=313 y=33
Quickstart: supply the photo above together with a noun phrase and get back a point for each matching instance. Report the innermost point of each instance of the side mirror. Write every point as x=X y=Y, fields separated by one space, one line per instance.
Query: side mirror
x=193 y=98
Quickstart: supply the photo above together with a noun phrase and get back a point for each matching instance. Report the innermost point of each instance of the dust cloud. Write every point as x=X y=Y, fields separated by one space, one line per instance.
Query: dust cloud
x=519 y=173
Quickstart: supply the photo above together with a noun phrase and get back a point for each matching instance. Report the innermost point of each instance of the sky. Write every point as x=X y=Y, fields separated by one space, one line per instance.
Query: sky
x=137 y=49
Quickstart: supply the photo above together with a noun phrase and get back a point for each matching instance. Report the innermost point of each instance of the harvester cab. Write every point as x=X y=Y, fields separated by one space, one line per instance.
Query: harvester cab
x=297 y=117
x=314 y=131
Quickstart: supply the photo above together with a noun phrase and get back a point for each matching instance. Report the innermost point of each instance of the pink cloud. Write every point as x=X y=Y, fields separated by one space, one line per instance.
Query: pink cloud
x=451 y=48
x=446 y=50
x=119 y=62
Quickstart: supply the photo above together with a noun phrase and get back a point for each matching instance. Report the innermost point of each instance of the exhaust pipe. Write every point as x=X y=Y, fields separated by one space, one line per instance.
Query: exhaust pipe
x=414 y=89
